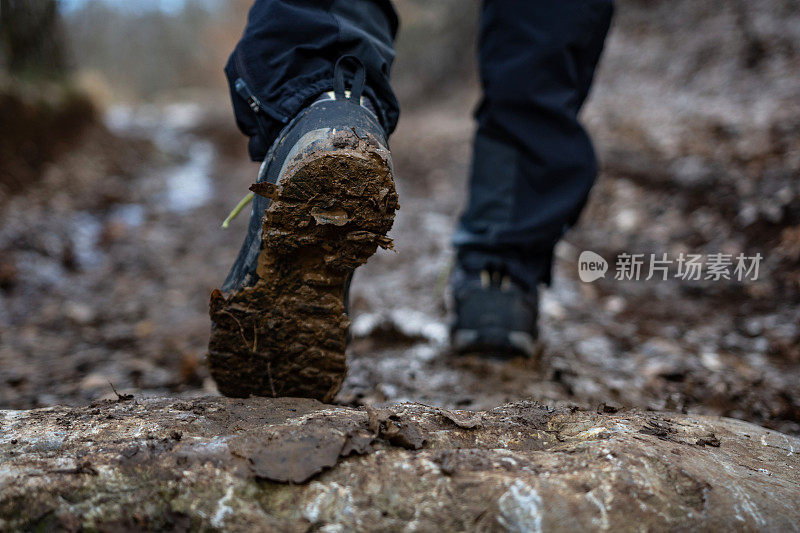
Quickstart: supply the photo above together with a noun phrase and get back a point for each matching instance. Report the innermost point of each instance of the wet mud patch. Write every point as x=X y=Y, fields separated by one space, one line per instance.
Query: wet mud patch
x=296 y=453
x=287 y=457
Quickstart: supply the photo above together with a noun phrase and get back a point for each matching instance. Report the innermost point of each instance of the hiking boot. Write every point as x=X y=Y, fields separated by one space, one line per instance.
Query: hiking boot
x=324 y=201
x=494 y=315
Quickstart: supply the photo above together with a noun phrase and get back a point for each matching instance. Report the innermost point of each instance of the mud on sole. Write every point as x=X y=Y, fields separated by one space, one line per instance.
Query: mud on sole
x=286 y=334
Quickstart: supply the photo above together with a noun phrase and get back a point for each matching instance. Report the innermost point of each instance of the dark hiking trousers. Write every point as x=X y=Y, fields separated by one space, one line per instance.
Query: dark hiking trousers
x=533 y=162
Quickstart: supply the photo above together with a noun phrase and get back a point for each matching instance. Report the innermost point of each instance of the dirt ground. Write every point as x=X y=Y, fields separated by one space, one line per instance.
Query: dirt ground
x=107 y=263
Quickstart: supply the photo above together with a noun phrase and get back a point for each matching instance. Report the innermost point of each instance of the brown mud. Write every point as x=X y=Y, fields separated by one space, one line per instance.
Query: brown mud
x=286 y=334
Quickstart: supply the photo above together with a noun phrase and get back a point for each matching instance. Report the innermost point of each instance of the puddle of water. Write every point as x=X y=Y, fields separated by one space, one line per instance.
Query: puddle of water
x=189 y=184
x=132 y=215
x=410 y=322
x=173 y=118
x=85 y=232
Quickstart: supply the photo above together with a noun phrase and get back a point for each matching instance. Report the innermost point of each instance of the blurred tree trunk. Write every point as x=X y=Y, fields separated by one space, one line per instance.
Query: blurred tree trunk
x=31 y=38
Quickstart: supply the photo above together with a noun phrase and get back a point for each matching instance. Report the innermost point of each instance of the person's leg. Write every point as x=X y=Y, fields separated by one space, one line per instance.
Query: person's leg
x=286 y=56
x=533 y=162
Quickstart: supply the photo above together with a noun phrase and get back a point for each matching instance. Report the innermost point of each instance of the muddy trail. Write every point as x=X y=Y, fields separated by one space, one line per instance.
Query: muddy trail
x=108 y=261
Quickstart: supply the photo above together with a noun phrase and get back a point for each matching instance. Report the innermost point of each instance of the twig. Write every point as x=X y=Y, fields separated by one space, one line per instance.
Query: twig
x=241 y=329
x=121 y=397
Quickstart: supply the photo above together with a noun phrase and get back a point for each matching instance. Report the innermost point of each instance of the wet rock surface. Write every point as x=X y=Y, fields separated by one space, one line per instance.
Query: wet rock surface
x=214 y=462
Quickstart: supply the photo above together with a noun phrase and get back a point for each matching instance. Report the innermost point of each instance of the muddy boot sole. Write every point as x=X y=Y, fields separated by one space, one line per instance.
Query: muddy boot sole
x=286 y=334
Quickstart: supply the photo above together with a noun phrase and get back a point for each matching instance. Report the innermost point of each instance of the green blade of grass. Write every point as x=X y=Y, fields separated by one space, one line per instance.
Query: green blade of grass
x=238 y=209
